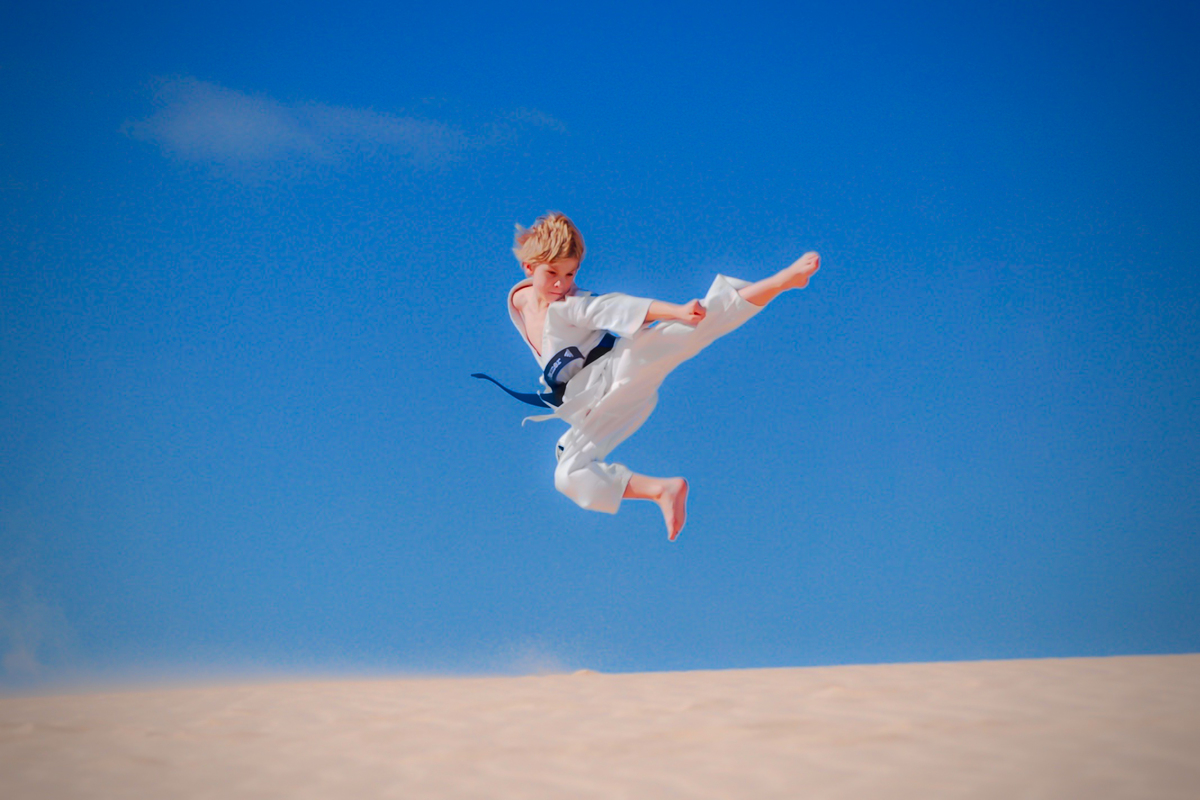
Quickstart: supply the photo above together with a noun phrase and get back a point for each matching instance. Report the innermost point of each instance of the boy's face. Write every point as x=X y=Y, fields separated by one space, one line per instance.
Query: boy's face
x=554 y=280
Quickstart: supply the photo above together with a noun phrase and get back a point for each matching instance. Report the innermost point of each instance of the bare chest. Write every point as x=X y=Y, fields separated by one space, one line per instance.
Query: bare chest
x=535 y=325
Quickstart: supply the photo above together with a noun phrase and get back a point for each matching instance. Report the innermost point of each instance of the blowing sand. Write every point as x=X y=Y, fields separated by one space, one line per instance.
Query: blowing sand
x=1059 y=728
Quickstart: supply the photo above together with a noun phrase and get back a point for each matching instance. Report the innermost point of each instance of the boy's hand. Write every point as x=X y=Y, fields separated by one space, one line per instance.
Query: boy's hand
x=691 y=312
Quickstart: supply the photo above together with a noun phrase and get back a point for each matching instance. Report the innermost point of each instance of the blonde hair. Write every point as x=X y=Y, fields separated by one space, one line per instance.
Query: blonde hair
x=551 y=237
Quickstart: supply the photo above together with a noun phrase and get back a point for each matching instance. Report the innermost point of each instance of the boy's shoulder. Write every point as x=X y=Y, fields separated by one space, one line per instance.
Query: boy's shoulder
x=520 y=295
x=574 y=302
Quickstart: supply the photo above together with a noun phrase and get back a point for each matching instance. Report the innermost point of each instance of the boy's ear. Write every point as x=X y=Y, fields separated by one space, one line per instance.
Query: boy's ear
x=528 y=269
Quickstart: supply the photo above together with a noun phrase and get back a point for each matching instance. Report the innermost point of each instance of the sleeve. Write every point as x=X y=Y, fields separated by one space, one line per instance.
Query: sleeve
x=620 y=313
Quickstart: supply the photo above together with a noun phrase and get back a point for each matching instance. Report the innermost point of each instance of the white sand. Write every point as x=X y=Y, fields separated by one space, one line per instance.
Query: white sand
x=1058 y=728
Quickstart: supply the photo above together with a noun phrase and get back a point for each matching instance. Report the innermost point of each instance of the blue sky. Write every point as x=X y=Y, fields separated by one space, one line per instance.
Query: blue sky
x=250 y=254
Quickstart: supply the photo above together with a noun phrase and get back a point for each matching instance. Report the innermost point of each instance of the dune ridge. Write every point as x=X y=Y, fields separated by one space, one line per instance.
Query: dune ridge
x=1087 y=727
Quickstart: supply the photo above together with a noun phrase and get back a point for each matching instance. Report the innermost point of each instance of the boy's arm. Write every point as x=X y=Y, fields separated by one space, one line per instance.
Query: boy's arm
x=620 y=313
x=623 y=314
x=690 y=313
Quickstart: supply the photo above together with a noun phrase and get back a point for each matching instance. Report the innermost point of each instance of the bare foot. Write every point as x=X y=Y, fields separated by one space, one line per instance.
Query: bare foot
x=673 y=502
x=669 y=493
x=803 y=269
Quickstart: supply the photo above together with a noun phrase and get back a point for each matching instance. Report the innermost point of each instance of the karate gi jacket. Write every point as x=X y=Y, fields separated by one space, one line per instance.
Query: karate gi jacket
x=579 y=320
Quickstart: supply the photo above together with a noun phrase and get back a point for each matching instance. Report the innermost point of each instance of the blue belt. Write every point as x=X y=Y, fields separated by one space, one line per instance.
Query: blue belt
x=554 y=368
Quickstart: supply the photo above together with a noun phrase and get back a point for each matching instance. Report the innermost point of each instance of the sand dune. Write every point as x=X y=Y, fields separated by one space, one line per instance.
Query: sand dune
x=1059 y=728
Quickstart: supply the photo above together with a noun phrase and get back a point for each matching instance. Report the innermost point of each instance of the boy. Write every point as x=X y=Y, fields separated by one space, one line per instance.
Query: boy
x=605 y=388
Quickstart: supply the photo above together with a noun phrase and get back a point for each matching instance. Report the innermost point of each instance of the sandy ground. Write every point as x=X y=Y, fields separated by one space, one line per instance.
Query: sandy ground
x=1057 y=728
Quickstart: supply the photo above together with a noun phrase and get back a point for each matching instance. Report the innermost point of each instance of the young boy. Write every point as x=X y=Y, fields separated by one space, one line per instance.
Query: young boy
x=606 y=389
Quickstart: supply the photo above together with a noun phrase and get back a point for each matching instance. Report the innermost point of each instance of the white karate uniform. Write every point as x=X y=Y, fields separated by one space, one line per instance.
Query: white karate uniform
x=606 y=401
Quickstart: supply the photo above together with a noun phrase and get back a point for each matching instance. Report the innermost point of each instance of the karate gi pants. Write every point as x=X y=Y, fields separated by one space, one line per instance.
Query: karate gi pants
x=611 y=398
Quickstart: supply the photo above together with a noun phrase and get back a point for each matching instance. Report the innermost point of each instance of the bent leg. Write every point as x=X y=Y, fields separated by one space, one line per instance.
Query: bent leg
x=591 y=483
x=583 y=476
x=582 y=473
x=597 y=486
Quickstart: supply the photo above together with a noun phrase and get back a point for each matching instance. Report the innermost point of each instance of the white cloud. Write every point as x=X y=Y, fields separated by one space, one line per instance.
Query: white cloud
x=203 y=122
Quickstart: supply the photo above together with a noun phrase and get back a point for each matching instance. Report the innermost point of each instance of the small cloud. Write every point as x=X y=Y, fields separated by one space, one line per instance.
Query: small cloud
x=343 y=131
x=203 y=122
x=200 y=121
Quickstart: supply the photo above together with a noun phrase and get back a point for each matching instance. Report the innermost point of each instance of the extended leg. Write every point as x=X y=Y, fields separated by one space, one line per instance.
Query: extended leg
x=794 y=277
x=669 y=493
